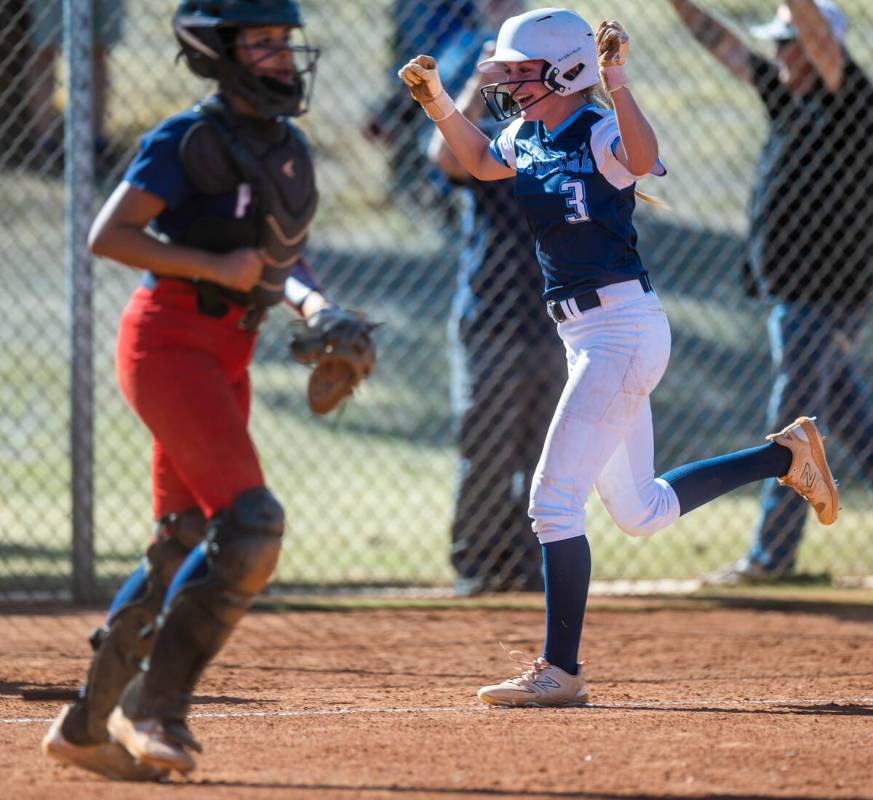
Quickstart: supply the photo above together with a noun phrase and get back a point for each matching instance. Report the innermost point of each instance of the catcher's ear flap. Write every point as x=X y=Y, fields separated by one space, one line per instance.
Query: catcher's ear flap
x=330 y=383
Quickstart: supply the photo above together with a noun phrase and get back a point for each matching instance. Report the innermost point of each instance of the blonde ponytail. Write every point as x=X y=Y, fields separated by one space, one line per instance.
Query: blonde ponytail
x=657 y=202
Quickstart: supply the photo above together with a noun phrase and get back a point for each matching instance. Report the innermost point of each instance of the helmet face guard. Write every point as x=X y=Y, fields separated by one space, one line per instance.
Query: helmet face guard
x=500 y=97
x=207 y=33
x=270 y=96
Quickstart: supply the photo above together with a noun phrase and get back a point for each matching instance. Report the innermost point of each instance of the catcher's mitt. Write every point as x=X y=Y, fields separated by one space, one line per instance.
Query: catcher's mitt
x=339 y=344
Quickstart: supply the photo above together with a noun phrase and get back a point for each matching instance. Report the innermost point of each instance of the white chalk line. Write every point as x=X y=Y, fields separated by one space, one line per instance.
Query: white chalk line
x=708 y=704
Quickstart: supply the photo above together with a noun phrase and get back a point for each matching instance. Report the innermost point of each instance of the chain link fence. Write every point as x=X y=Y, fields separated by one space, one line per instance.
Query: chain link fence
x=371 y=492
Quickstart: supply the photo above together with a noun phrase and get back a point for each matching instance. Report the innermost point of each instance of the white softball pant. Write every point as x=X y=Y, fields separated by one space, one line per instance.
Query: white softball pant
x=601 y=433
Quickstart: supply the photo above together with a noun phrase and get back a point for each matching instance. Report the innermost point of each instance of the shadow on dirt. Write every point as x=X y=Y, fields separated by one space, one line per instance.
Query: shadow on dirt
x=806 y=709
x=52 y=692
x=854 y=611
x=338 y=790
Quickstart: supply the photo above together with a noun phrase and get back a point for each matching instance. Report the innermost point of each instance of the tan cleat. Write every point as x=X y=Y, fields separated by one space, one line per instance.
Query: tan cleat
x=155 y=742
x=809 y=475
x=107 y=758
x=541 y=684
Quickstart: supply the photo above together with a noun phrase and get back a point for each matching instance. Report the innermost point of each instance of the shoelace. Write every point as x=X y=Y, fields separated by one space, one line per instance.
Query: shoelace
x=533 y=667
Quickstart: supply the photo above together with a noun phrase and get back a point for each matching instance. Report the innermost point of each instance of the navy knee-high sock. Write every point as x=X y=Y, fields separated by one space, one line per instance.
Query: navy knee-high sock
x=702 y=481
x=567 y=573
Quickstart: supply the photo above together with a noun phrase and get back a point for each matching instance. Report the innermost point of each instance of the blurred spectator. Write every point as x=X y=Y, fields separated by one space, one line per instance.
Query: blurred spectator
x=46 y=21
x=14 y=53
x=507 y=374
x=810 y=238
x=446 y=28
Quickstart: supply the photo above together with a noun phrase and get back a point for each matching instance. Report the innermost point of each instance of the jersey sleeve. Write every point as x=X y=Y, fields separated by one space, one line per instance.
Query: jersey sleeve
x=503 y=146
x=605 y=139
x=157 y=166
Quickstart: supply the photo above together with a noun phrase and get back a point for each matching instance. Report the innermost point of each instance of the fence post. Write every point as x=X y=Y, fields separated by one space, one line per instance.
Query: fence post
x=78 y=205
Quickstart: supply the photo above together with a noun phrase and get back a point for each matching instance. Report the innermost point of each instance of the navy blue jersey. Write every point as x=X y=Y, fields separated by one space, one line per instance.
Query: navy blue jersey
x=577 y=197
x=157 y=169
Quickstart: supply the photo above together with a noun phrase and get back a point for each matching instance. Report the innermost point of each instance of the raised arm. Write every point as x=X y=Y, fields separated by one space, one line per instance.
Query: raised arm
x=468 y=144
x=819 y=42
x=638 y=150
x=471 y=105
x=716 y=37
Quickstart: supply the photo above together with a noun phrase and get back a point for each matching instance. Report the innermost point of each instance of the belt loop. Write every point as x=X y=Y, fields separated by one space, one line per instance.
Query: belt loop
x=556 y=312
x=646 y=282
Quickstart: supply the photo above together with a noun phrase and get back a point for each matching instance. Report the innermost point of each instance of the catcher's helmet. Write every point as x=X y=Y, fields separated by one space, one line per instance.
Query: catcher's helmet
x=206 y=30
x=560 y=38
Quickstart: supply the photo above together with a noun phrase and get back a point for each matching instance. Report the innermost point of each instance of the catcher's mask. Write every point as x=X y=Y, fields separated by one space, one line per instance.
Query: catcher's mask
x=561 y=39
x=207 y=31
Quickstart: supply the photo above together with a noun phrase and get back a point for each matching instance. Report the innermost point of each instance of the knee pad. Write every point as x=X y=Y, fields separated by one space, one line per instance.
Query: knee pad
x=187 y=527
x=243 y=543
x=176 y=535
x=237 y=557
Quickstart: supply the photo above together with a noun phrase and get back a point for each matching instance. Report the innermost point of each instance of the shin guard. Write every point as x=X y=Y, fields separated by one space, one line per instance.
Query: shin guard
x=126 y=638
x=211 y=593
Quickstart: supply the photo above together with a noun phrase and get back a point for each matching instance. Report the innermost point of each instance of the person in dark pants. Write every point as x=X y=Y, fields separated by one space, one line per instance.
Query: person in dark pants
x=46 y=32
x=810 y=239
x=16 y=119
x=393 y=119
x=506 y=376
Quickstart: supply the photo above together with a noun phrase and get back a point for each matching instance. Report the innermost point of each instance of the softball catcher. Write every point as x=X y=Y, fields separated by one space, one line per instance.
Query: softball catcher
x=229 y=185
x=576 y=149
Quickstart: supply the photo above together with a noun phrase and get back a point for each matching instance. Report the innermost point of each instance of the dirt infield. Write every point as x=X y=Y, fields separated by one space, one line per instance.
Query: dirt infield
x=690 y=701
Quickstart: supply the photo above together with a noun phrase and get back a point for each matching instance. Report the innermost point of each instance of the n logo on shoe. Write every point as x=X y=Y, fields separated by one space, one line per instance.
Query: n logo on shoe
x=808 y=475
x=547 y=683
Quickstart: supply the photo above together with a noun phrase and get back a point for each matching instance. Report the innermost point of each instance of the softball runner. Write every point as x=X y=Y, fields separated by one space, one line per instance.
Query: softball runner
x=575 y=161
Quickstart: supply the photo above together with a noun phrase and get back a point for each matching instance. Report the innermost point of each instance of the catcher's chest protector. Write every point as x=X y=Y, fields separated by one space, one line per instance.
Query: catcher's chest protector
x=269 y=167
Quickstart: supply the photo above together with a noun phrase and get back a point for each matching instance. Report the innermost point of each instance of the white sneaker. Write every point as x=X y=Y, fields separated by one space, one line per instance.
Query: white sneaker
x=149 y=741
x=541 y=684
x=107 y=758
x=809 y=475
x=746 y=573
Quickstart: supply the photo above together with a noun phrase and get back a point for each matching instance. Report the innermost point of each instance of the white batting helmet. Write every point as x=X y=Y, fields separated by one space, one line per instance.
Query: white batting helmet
x=559 y=37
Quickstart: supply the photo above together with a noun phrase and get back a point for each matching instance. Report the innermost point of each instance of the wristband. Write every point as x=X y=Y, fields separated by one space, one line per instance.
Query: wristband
x=296 y=293
x=440 y=108
x=301 y=282
x=614 y=78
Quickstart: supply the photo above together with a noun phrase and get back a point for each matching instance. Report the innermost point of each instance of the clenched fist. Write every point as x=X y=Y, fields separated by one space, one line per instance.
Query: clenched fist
x=612 y=45
x=240 y=269
x=422 y=78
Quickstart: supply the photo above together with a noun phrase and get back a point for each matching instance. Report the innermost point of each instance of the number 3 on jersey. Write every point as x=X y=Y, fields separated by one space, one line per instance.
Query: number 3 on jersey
x=575 y=191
